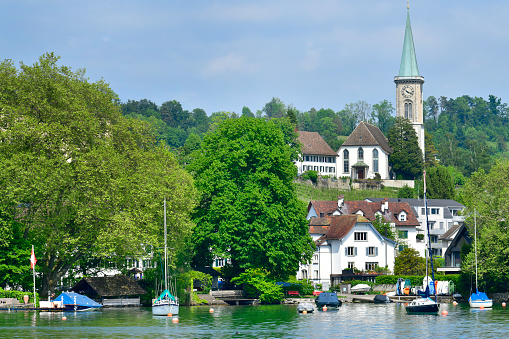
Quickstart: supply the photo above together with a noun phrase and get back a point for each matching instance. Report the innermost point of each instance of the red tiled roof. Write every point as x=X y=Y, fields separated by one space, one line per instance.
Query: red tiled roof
x=368 y=135
x=313 y=143
x=325 y=207
x=340 y=226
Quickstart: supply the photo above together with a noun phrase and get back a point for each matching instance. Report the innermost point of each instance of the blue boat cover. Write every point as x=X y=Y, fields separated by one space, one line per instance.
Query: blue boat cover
x=68 y=298
x=479 y=296
x=165 y=295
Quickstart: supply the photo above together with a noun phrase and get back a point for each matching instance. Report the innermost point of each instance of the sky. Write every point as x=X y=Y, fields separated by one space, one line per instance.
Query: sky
x=224 y=55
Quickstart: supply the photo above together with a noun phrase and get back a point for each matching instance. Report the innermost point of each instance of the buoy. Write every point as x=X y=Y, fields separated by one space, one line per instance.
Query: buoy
x=482 y=307
x=304 y=312
x=324 y=308
x=444 y=312
x=503 y=304
x=64 y=318
x=211 y=310
x=169 y=314
x=175 y=320
x=455 y=303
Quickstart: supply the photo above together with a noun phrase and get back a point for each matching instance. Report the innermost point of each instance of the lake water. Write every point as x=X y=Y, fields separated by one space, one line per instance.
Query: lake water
x=271 y=321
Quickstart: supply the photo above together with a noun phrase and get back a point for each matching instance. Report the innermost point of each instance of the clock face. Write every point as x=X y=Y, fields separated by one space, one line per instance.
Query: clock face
x=407 y=91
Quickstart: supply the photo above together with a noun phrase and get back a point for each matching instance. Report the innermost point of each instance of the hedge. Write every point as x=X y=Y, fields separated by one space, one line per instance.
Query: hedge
x=416 y=280
x=19 y=295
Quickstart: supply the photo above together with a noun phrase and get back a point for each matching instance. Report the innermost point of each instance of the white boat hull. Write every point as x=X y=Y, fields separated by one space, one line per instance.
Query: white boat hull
x=165 y=308
x=479 y=303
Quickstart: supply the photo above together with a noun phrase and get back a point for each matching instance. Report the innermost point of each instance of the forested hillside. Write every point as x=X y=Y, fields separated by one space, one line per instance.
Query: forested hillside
x=468 y=133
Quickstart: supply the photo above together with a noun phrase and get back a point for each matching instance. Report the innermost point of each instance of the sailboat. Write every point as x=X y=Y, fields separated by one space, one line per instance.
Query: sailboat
x=478 y=299
x=166 y=304
x=424 y=304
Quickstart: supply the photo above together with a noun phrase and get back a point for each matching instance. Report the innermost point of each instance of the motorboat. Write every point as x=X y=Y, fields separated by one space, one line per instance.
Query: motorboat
x=360 y=288
x=381 y=299
x=329 y=299
x=305 y=306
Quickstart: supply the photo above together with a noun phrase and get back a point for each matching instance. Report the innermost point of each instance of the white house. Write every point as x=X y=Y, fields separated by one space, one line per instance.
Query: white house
x=316 y=155
x=364 y=154
x=346 y=241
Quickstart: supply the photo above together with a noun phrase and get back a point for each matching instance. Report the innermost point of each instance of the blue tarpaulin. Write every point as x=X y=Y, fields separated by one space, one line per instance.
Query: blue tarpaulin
x=72 y=298
x=479 y=296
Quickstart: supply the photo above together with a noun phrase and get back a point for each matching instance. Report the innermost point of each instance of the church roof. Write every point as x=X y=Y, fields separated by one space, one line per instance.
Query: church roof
x=408 y=67
x=368 y=135
x=313 y=143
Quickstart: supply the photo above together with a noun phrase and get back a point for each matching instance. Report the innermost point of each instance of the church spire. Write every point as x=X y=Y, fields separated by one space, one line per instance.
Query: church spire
x=408 y=67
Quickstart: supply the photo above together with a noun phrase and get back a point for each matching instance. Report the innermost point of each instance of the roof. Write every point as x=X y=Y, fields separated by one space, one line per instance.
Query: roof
x=325 y=207
x=449 y=234
x=109 y=286
x=313 y=143
x=446 y=203
x=368 y=135
x=319 y=225
x=408 y=67
x=341 y=225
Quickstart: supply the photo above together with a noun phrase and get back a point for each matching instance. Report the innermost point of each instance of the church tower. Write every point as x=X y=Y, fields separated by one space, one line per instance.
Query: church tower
x=409 y=86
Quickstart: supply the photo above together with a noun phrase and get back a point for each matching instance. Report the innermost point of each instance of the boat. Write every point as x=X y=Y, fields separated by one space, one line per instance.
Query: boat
x=329 y=299
x=381 y=299
x=167 y=303
x=478 y=299
x=423 y=304
x=72 y=301
x=305 y=306
x=360 y=288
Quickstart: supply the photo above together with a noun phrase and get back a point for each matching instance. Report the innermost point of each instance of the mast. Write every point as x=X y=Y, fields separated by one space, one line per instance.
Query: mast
x=429 y=240
x=165 y=251
x=426 y=233
x=475 y=245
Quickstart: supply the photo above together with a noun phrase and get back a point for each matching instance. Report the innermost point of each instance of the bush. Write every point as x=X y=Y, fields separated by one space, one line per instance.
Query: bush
x=301 y=286
x=19 y=295
x=406 y=192
x=310 y=175
x=258 y=285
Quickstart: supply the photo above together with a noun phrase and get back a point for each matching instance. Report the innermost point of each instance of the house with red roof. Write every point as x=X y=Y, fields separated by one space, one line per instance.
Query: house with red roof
x=316 y=155
x=346 y=242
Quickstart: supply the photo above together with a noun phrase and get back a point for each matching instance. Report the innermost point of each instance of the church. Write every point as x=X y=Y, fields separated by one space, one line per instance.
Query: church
x=365 y=153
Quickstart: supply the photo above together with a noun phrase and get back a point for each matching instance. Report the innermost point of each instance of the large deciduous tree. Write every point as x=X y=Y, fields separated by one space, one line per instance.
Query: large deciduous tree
x=248 y=211
x=407 y=158
x=439 y=183
x=487 y=195
x=81 y=178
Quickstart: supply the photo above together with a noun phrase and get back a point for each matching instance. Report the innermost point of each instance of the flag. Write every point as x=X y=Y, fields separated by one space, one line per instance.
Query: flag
x=32 y=259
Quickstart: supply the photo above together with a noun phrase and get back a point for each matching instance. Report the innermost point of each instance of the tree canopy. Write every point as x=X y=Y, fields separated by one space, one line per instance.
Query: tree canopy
x=248 y=210
x=407 y=158
x=82 y=180
x=439 y=183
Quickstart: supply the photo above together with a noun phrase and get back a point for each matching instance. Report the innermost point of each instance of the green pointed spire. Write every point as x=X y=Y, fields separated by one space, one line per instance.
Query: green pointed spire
x=408 y=67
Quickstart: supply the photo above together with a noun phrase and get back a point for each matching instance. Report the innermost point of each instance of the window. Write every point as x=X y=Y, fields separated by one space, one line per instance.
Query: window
x=402 y=247
x=441 y=225
x=375 y=160
x=351 y=264
x=435 y=211
x=304 y=274
x=307 y=157
x=423 y=211
x=351 y=251
x=315 y=274
x=360 y=236
x=402 y=217
x=360 y=153
x=321 y=214
x=372 y=251
x=403 y=234
x=408 y=110
x=315 y=259
x=370 y=266
x=219 y=262
x=346 y=165
x=433 y=238
x=431 y=225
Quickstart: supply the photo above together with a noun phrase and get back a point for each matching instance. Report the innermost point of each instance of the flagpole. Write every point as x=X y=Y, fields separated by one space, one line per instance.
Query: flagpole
x=33 y=270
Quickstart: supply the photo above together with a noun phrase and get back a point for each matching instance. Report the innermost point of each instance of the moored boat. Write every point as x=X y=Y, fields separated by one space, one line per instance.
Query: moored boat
x=478 y=299
x=328 y=299
x=72 y=301
x=381 y=299
x=360 y=288
x=305 y=306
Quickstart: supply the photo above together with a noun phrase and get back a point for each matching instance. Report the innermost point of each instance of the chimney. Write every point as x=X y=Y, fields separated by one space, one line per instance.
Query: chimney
x=385 y=205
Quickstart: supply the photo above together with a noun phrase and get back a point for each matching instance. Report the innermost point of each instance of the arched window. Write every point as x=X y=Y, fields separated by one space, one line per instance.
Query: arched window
x=408 y=110
x=360 y=153
x=375 y=160
x=346 y=165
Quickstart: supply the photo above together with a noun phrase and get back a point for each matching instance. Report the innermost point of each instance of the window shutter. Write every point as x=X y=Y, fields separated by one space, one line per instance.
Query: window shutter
x=376 y=251
x=355 y=250
x=367 y=251
x=346 y=250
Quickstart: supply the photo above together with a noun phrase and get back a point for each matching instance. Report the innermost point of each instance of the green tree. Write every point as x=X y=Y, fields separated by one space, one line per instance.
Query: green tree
x=248 y=210
x=246 y=112
x=82 y=179
x=384 y=228
x=275 y=108
x=439 y=183
x=487 y=196
x=382 y=116
x=257 y=284
x=430 y=152
x=406 y=192
x=409 y=262
x=407 y=158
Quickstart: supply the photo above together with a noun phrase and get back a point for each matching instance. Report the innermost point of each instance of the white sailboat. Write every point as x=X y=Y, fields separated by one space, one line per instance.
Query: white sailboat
x=166 y=304
x=424 y=304
x=478 y=299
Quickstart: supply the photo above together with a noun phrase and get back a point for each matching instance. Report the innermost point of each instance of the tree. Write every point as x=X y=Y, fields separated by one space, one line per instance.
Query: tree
x=406 y=192
x=430 y=152
x=409 y=262
x=486 y=197
x=248 y=210
x=407 y=159
x=83 y=180
x=246 y=112
x=382 y=116
x=439 y=183
x=384 y=228
x=275 y=108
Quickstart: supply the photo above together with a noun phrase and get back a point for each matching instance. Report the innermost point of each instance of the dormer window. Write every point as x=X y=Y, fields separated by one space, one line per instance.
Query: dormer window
x=321 y=214
x=359 y=212
x=402 y=216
